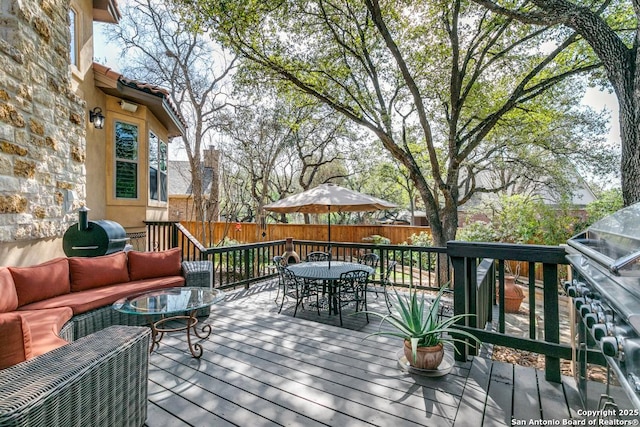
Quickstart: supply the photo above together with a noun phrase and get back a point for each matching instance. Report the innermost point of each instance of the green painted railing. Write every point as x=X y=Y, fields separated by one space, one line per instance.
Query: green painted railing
x=241 y=265
x=479 y=276
x=476 y=270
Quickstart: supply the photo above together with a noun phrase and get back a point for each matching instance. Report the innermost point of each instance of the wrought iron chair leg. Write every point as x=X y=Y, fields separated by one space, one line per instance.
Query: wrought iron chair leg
x=339 y=301
x=386 y=299
x=366 y=309
x=317 y=301
x=284 y=295
x=298 y=301
x=278 y=294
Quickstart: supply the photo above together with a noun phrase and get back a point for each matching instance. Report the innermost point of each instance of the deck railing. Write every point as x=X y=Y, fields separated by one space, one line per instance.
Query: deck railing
x=240 y=265
x=477 y=271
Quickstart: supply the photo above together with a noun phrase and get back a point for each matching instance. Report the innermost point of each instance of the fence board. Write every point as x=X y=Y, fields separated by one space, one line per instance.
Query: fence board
x=210 y=234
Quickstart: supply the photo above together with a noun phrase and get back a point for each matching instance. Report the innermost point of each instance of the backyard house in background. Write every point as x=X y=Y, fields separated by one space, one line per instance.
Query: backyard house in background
x=181 y=191
x=73 y=132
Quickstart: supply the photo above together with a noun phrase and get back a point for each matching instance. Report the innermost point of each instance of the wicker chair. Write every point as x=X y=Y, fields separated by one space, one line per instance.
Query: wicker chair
x=98 y=380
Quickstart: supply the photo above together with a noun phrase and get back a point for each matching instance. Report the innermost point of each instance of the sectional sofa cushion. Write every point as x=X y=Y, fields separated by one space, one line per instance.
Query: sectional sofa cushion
x=45 y=326
x=147 y=265
x=15 y=339
x=95 y=272
x=42 y=281
x=81 y=302
x=8 y=295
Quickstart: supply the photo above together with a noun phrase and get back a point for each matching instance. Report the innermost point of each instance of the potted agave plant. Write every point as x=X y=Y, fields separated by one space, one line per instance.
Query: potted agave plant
x=424 y=332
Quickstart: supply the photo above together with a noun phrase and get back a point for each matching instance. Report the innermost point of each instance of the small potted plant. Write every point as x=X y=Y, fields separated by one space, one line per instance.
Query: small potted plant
x=422 y=330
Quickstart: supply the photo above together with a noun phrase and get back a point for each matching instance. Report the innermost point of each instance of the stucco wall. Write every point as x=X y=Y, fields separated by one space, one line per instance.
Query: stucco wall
x=42 y=129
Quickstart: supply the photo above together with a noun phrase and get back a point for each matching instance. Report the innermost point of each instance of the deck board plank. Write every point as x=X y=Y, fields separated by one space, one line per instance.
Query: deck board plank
x=554 y=406
x=160 y=417
x=526 y=400
x=498 y=410
x=471 y=410
x=388 y=393
x=264 y=368
x=570 y=388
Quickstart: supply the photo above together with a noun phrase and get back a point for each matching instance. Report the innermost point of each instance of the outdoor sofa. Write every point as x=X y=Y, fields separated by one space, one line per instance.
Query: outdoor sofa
x=65 y=359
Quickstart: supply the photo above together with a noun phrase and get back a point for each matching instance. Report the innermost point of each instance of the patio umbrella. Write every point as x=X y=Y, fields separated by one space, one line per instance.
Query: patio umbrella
x=327 y=198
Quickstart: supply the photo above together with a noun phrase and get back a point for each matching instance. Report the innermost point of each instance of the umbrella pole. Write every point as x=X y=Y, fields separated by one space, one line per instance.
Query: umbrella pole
x=329 y=242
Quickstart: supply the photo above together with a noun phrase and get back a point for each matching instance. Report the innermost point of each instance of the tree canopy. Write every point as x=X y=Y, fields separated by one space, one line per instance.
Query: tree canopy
x=610 y=27
x=452 y=91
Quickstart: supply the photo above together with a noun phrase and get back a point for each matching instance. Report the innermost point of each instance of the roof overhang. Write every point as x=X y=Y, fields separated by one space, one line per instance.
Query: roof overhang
x=106 y=11
x=156 y=100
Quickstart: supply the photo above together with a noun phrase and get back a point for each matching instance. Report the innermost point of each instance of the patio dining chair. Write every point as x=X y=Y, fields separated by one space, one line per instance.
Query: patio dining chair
x=279 y=261
x=296 y=288
x=386 y=281
x=352 y=287
x=371 y=260
x=318 y=256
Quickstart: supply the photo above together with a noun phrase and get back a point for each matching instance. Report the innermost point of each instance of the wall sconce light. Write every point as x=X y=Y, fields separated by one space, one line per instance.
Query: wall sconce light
x=96 y=117
x=128 y=106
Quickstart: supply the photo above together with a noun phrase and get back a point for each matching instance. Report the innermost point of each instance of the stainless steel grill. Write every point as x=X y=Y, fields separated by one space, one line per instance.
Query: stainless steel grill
x=605 y=286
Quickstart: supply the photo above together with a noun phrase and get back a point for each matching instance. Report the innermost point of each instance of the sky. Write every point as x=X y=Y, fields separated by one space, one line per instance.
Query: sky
x=109 y=54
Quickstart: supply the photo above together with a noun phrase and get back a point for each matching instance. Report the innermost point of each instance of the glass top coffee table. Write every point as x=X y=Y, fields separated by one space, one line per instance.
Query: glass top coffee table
x=172 y=304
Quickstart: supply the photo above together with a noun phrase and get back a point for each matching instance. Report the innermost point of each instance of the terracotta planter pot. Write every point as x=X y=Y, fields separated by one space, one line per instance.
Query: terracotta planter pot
x=513 y=295
x=426 y=358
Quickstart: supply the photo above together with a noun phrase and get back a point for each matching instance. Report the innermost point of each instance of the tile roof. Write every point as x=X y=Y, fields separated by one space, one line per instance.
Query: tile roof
x=148 y=88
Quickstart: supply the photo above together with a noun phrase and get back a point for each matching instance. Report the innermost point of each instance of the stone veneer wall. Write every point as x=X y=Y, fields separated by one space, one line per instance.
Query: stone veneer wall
x=42 y=122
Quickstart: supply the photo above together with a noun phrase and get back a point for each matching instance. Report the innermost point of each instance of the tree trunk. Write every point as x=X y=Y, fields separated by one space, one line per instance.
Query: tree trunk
x=630 y=141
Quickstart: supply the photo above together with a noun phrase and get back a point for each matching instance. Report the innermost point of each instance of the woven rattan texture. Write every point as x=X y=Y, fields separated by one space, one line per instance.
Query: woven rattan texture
x=98 y=380
x=198 y=274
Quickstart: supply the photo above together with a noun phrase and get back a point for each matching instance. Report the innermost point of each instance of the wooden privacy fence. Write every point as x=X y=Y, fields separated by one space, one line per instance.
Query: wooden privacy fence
x=210 y=234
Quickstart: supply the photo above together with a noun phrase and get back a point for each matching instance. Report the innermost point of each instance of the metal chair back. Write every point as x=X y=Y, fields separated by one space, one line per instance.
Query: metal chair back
x=391 y=266
x=318 y=256
x=370 y=259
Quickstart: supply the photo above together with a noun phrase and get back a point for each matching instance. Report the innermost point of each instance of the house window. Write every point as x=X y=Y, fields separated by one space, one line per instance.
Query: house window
x=73 y=42
x=157 y=168
x=126 y=147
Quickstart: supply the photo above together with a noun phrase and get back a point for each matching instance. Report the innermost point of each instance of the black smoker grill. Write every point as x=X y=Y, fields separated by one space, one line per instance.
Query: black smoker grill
x=605 y=287
x=93 y=238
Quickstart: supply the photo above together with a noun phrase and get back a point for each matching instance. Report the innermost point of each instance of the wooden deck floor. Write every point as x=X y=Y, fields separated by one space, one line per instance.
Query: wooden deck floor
x=262 y=368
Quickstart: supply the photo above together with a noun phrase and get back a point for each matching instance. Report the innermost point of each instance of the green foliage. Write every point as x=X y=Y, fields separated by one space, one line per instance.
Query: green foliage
x=477 y=232
x=607 y=203
x=525 y=220
x=426 y=261
x=376 y=239
x=422 y=239
x=443 y=122
x=422 y=327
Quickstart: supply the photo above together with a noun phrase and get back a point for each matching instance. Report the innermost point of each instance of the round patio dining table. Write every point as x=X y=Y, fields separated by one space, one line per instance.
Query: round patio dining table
x=326 y=270
x=329 y=272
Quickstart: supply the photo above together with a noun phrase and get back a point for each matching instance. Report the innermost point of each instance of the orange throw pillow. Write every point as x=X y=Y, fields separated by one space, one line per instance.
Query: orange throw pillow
x=147 y=265
x=15 y=339
x=95 y=272
x=8 y=295
x=42 y=281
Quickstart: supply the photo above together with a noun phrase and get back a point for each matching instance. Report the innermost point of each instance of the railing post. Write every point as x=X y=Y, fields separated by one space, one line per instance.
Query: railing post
x=247 y=265
x=174 y=236
x=552 y=319
x=460 y=300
